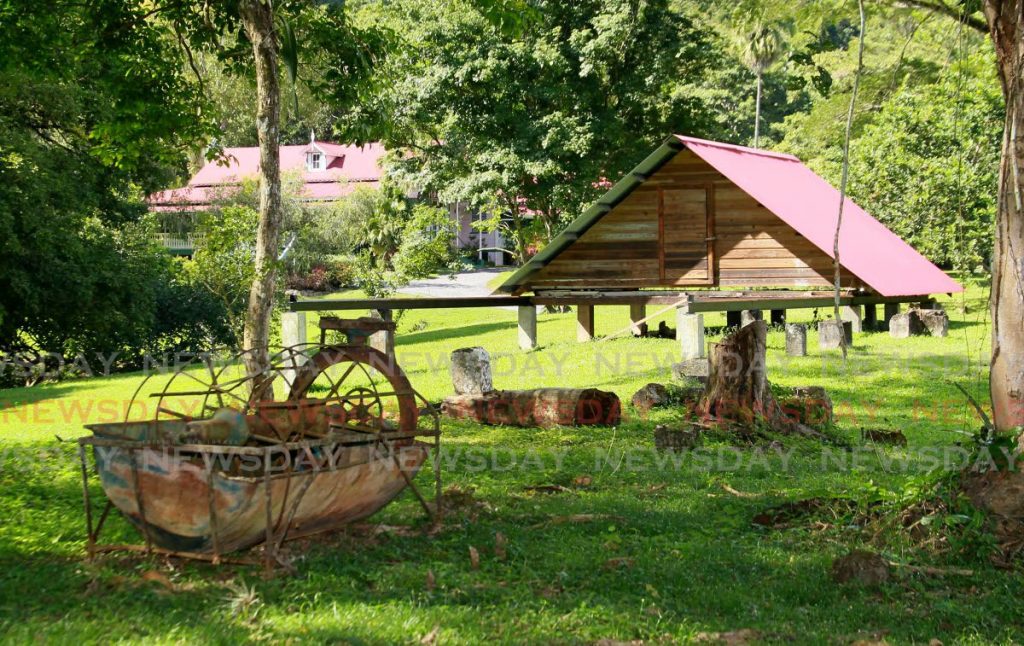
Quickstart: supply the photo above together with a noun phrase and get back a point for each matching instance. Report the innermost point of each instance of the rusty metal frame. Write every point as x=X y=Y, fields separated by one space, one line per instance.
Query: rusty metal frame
x=276 y=533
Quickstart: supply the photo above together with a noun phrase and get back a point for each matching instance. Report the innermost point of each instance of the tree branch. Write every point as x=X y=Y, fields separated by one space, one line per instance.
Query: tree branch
x=976 y=23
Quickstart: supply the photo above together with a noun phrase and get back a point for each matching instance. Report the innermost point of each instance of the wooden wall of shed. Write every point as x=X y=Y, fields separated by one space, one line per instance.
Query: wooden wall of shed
x=752 y=247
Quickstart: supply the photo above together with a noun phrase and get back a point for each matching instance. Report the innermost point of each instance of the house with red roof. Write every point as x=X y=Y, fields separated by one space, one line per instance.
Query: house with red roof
x=329 y=173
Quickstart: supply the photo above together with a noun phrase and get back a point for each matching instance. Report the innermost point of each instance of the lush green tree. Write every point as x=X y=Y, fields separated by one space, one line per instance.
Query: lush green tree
x=95 y=110
x=527 y=124
x=927 y=164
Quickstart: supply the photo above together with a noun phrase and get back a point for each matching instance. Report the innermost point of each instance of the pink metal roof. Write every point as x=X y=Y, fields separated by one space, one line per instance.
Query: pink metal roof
x=347 y=167
x=809 y=204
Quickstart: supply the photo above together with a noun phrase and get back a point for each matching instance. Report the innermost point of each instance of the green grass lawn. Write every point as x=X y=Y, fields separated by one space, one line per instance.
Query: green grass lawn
x=658 y=552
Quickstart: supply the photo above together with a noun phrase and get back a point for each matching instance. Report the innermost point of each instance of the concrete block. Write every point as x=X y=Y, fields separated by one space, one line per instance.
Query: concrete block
x=471 y=371
x=935 y=321
x=749 y=316
x=690 y=334
x=830 y=334
x=796 y=339
x=904 y=325
x=852 y=314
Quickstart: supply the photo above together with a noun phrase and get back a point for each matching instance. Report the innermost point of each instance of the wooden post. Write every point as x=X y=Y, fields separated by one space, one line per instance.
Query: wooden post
x=733 y=320
x=527 y=327
x=871 y=317
x=584 y=323
x=690 y=334
x=383 y=341
x=637 y=312
x=891 y=310
x=778 y=318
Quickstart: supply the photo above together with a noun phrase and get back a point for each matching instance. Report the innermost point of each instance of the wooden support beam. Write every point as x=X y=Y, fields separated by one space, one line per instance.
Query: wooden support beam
x=584 y=323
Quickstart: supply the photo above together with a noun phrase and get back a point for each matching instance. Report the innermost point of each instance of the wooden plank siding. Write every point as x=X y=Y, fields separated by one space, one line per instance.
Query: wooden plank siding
x=687 y=225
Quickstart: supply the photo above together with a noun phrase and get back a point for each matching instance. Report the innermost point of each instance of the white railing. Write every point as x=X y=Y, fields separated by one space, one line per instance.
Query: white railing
x=179 y=241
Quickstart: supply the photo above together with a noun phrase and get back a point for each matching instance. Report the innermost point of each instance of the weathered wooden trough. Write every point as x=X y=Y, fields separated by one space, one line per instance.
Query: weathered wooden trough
x=225 y=465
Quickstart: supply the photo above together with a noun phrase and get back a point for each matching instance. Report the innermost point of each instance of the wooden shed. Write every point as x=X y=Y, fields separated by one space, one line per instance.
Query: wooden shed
x=698 y=213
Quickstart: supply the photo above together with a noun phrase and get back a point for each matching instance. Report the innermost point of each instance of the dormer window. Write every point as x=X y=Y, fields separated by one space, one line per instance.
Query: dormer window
x=314 y=161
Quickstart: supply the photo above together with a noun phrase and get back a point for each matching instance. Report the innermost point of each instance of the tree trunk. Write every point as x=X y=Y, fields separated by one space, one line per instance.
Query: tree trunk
x=738 y=389
x=757 y=112
x=258 y=21
x=543 y=407
x=1006 y=380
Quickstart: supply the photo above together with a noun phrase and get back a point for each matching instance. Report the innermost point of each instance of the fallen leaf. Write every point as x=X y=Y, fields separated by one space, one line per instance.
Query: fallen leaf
x=729 y=638
x=738 y=494
x=619 y=562
x=431 y=637
x=499 y=546
x=583 y=481
x=474 y=558
x=152 y=576
x=431 y=580
x=548 y=488
x=577 y=518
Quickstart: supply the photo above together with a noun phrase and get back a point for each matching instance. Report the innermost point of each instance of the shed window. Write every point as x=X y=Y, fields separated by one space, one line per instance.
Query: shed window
x=315 y=161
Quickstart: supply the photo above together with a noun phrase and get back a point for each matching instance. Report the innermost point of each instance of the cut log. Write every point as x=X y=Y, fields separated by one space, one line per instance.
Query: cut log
x=738 y=389
x=543 y=407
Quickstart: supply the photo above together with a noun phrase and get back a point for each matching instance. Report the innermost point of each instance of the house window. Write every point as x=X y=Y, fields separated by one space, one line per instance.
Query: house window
x=315 y=162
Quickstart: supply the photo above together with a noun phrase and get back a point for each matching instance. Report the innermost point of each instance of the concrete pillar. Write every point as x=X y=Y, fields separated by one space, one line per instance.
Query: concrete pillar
x=527 y=327
x=637 y=312
x=852 y=314
x=732 y=319
x=871 y=317
x=778 y=318
x=584 y=323
x=796 y=339
x=690 y=334
x=749 y=316
x=891 y=310
x=293 y=334
x=293 y=329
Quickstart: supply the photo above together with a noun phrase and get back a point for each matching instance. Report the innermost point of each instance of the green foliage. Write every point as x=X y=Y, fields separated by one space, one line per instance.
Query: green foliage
x=223 y=261
x=530 y=122
x=927 y=166
x=428 y=243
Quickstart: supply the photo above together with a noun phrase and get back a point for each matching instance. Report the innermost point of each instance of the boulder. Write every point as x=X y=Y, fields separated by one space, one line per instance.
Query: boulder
x=809 y=405
x=667 y=438
x=696 y=368
x=935 y=321
x=471 y=371
x=651 y=396
x=862 y=567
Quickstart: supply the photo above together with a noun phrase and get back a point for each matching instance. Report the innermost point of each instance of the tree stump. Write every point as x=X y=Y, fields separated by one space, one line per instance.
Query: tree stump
x=738 y=389
x=471 y=371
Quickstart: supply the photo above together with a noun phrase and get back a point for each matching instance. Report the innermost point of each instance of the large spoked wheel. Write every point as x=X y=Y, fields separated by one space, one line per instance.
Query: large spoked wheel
x=362 y=389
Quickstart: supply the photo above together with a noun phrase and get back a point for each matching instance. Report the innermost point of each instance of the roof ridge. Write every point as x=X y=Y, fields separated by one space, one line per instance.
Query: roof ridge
x=736 y=147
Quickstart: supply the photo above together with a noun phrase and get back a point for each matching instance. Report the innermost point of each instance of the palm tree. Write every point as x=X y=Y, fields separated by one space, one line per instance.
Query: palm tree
x=762 y=46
